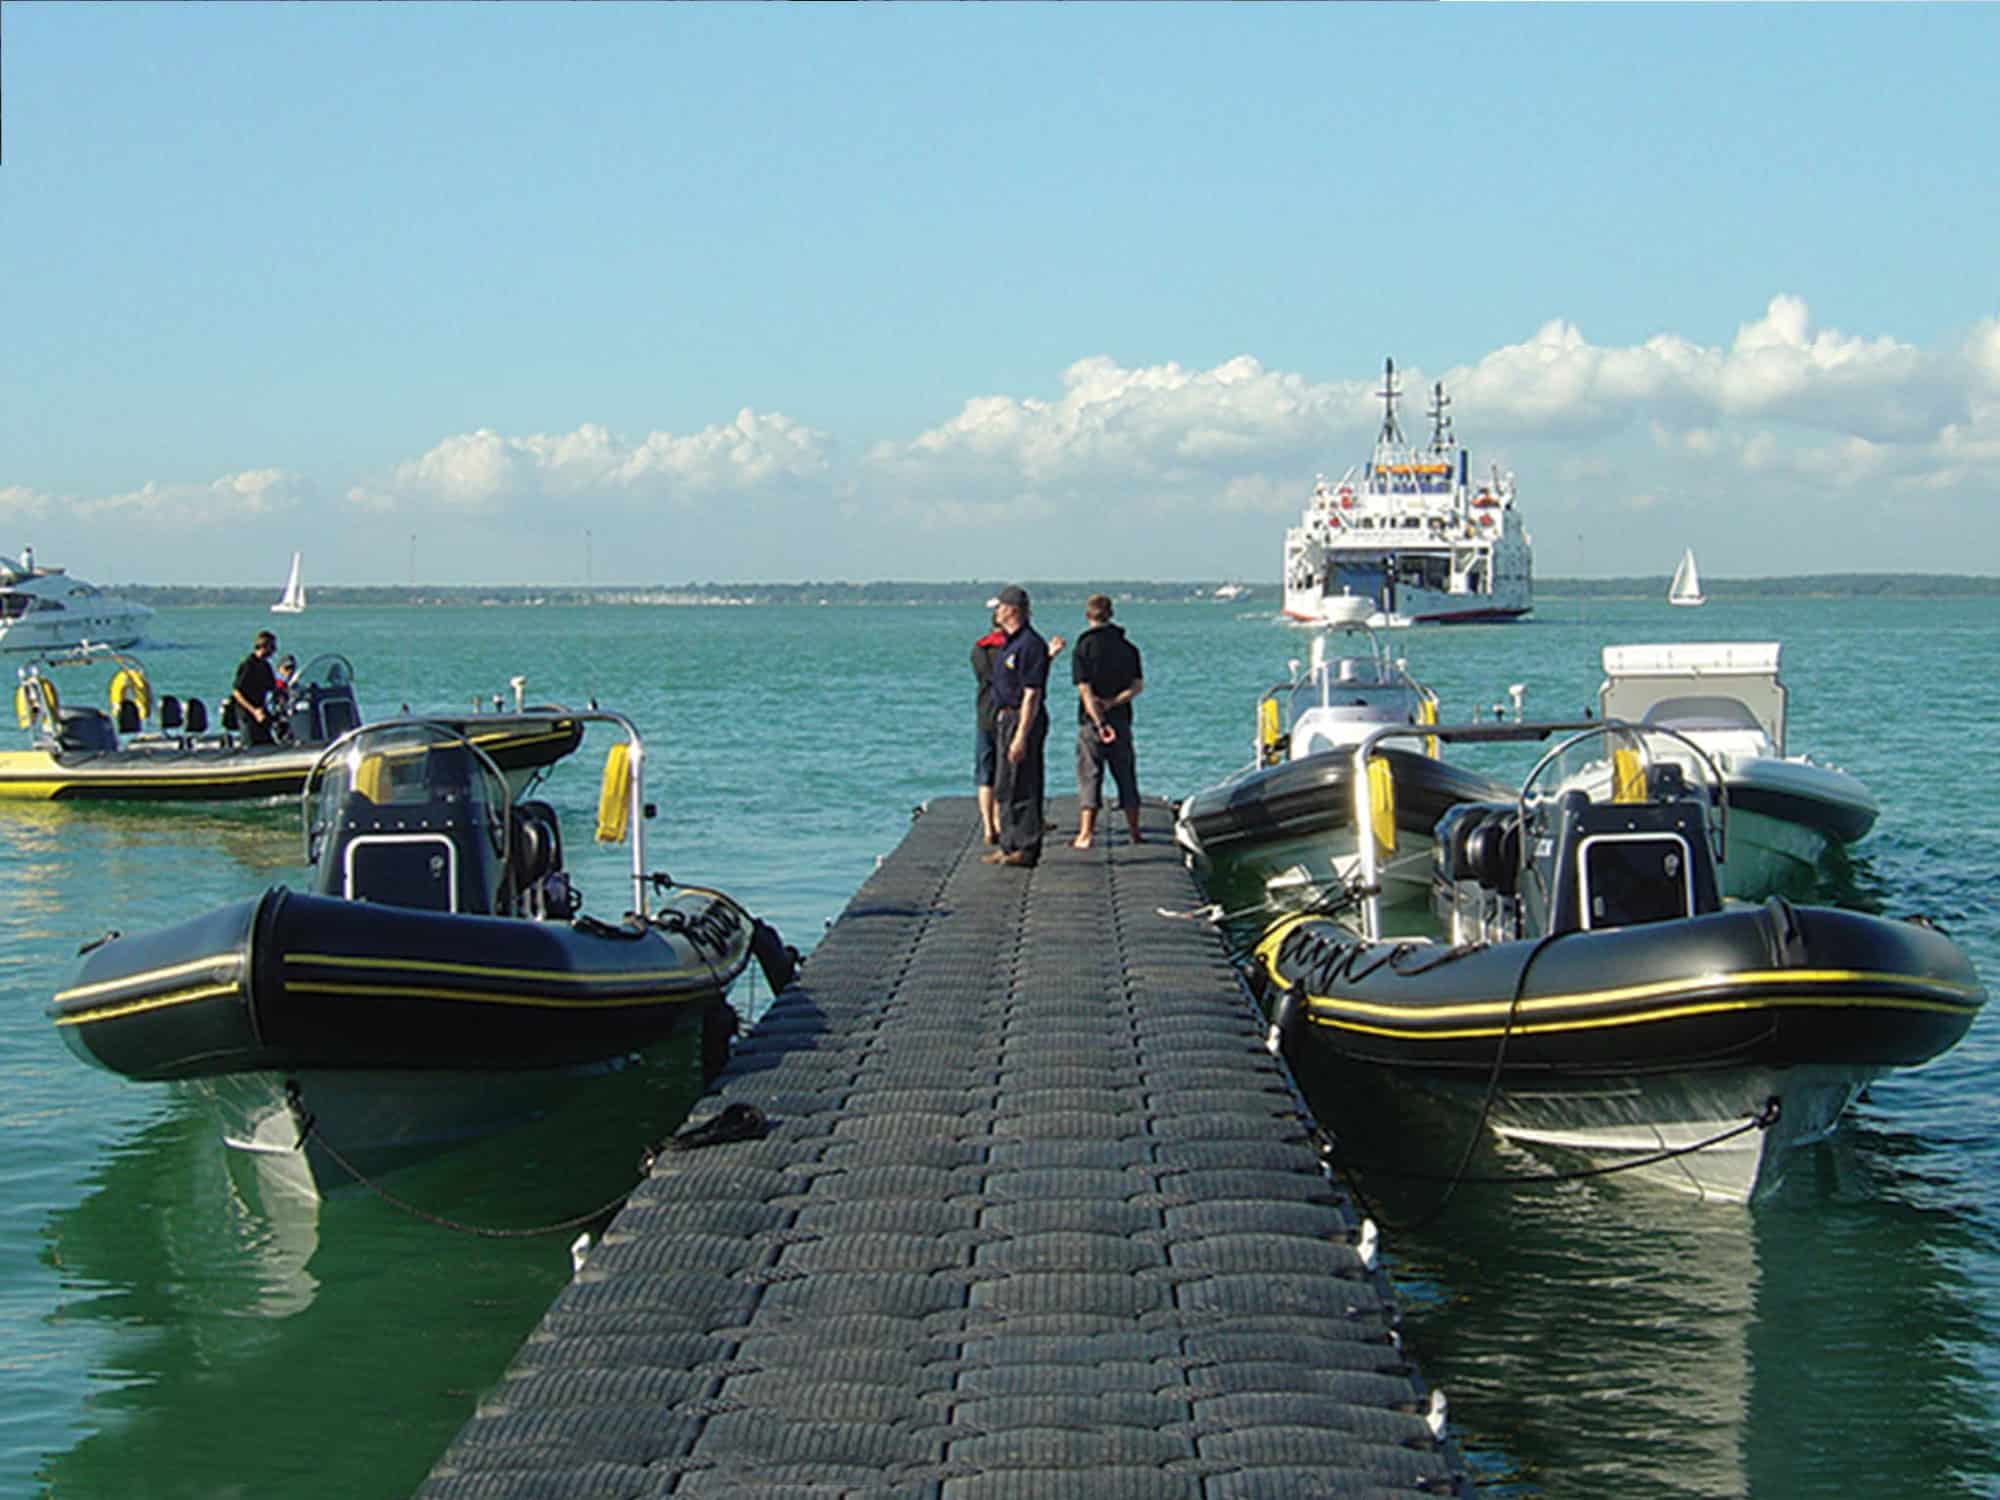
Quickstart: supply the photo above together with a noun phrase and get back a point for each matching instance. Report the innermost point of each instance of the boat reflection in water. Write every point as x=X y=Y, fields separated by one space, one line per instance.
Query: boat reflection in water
x=222 y=1306
x=1599 y=1337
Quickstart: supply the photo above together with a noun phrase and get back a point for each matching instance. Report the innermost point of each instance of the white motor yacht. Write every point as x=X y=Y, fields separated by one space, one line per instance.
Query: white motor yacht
x=46 y=610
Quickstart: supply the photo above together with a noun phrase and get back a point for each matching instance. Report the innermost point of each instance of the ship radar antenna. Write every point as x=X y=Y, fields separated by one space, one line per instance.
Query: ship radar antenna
x=1441 y=440
x=1391 y=433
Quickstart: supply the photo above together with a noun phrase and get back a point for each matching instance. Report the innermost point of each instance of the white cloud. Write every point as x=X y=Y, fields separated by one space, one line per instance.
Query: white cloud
x=19 y=503
x=487 y=473
x=234 y=499
x=1180 y=471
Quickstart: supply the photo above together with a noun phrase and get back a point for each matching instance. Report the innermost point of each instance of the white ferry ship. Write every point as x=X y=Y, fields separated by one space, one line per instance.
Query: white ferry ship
x=1406 y=539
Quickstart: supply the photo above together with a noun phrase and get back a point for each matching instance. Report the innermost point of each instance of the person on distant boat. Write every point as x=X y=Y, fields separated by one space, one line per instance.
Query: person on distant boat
x=1108 y=676
x=253 y=687
x=1021 y=726
x=282 y=677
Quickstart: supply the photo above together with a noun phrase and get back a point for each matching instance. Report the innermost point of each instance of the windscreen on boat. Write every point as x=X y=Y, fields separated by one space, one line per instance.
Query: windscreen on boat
x=326 y=672
x=418 y=775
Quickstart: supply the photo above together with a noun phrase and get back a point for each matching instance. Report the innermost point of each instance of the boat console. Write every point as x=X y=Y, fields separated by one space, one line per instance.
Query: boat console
x=1560 y=861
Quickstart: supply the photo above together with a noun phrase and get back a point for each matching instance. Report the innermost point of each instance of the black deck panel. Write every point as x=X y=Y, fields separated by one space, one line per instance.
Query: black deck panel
x=1037 y=1216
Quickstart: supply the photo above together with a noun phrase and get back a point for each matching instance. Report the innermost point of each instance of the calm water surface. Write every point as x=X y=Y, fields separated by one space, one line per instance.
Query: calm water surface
x=164 y=1331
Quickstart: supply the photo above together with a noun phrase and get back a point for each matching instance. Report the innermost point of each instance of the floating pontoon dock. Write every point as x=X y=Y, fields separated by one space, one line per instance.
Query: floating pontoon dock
x=1036 y=1216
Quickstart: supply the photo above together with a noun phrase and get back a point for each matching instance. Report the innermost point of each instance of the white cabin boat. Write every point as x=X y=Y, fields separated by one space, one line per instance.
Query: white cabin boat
x=1408 y=536
x=46 y=611
x=1785 y=813
x=1686 y=587
x=293 y=600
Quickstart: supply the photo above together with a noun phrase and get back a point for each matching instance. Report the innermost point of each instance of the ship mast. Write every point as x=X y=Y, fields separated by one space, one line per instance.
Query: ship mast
x=1392 y=435
x=1441 y=439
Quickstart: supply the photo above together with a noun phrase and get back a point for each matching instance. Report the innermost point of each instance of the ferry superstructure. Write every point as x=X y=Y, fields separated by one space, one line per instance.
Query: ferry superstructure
x=1406 y=539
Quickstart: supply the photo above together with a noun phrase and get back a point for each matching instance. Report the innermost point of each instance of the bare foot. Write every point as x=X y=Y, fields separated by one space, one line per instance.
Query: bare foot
x=1081 y=841
x=992 y=835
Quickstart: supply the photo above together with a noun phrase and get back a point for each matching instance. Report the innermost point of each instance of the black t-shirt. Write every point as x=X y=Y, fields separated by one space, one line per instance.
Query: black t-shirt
x=1021 y=664
x=255 y=680
x=1110 y=664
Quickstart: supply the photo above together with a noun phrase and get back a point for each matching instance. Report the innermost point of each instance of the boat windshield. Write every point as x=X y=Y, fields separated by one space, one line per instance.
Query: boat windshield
x=411 y=773
x=329 y=671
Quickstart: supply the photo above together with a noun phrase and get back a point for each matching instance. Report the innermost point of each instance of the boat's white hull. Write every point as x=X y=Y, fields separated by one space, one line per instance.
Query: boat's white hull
x=1786 y=816
x=1293 y=874
x=297 y=1130
x=1413 y=606
x=1632 y=1124
x=69 y=630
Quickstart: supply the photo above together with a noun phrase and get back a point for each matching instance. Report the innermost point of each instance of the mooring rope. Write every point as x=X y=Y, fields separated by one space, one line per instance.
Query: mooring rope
x=1764 y=1119
x=311 y=1131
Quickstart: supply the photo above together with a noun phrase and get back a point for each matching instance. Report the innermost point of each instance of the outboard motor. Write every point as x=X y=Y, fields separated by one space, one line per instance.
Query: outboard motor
x=535 y=873
x=86 y=729
x=1475 y=873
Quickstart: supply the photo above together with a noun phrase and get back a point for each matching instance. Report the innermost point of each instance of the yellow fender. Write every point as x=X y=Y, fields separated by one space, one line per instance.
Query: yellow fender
x=1382 y=805
x=1427 y=713
x=371 y=778
x=614 y=796
x=1270 y=738
x=37 y=694
x=130 y=683
x=1628 y=777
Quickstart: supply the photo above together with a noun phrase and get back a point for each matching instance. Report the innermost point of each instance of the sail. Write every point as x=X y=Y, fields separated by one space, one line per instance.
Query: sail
x=294 y=599
x=1686 y=587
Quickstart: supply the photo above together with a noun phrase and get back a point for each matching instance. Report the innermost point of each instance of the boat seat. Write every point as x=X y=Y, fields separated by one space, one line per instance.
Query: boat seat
x=129 y=721
x=322 y=714
x=196 y=721
x=170 y=712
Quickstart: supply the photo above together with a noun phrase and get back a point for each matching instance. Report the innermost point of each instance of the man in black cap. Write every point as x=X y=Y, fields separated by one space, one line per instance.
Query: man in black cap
x=1020 y=701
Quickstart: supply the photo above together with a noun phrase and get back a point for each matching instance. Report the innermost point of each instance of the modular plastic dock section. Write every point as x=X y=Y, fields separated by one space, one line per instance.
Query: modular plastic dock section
x=1036 y=1217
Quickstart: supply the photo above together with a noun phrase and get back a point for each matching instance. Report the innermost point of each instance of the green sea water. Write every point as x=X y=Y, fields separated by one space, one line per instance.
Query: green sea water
x=166 y=1331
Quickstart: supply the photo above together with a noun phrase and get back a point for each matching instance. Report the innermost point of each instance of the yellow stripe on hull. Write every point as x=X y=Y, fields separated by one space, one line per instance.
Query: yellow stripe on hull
x=148 y=1002
x=148 y=976
x=489 y=997
x=1341 y=1015
x=479 y=971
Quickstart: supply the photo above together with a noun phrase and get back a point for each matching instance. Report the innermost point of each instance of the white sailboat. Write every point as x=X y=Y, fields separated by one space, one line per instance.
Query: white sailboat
x=294 y=600
x=1686 y=587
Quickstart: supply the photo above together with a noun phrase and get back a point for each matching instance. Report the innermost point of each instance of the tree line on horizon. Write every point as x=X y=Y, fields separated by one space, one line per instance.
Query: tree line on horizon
x=1807 y=585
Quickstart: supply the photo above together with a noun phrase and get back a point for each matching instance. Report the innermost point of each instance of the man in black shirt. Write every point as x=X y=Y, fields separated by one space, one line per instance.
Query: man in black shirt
x=1108 y=676
x=252 y=689
x=1020 y=690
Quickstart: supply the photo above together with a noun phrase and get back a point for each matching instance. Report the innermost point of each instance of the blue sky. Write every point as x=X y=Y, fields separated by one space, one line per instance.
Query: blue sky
x=930 y=291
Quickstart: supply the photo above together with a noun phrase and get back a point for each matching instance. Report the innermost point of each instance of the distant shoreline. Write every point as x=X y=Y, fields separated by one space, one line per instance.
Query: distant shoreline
x=1547 y=591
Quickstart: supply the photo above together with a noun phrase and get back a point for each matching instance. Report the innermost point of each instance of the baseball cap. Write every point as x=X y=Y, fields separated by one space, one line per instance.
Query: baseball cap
x=1012 y=594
